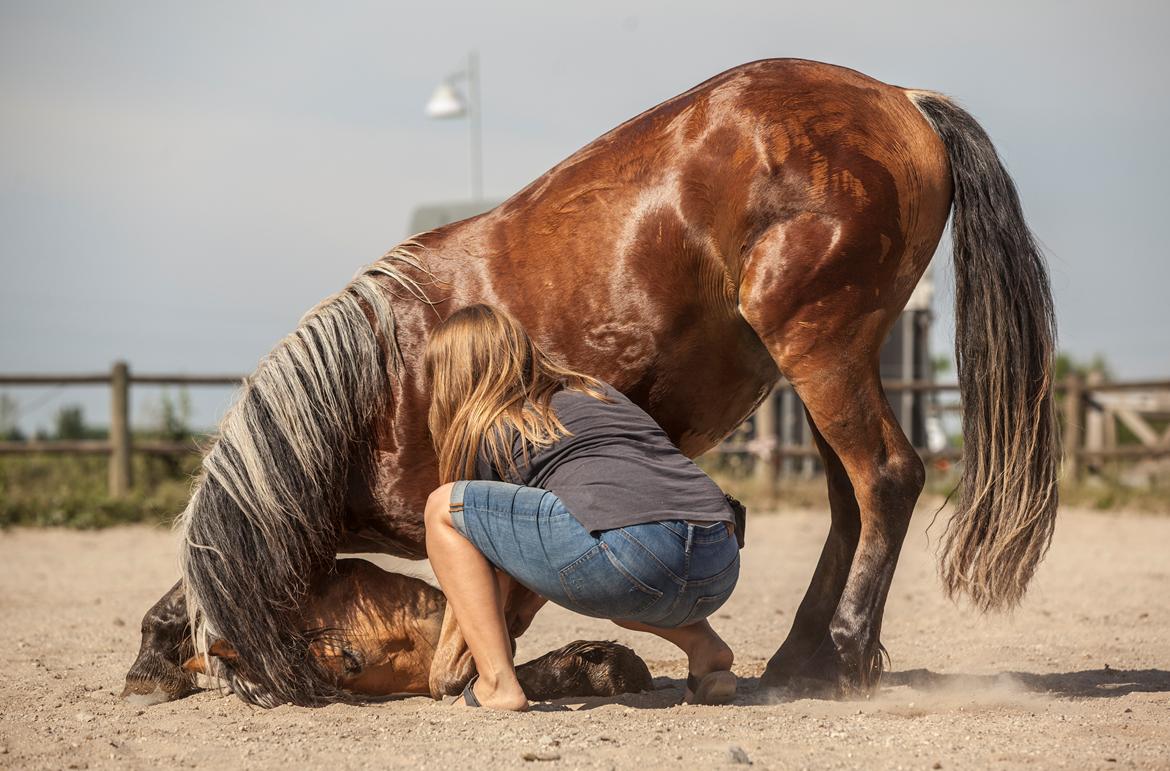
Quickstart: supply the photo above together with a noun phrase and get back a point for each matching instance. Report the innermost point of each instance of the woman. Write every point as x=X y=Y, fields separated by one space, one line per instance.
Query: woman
x=561 y=482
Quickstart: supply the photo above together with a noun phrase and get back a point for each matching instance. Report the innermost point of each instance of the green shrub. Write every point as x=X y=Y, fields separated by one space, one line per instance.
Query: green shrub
x=71 y=491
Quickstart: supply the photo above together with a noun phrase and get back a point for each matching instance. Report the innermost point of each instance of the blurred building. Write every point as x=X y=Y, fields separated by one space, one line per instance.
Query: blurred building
x=906 y=356
x=429 y=216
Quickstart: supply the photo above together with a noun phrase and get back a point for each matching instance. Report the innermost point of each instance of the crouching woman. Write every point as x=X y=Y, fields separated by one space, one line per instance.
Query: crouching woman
x=561 y=482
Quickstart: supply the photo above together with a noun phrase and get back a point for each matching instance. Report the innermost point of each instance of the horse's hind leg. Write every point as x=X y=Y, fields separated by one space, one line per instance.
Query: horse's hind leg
x=822 y=296
x=887 y=476
x=810 y=628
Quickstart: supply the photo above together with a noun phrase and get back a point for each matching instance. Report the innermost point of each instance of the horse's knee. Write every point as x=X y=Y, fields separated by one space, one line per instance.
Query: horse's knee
x=438 y=509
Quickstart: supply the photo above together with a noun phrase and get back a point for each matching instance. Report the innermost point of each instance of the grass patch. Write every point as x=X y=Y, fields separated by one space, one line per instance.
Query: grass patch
x=71 y=491
x=1110 y=496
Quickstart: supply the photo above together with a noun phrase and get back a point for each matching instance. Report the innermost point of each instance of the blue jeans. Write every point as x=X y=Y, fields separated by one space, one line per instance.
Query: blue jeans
x=665 y=574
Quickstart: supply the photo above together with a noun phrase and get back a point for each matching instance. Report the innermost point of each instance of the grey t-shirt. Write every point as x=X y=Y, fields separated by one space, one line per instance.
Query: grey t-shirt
x=617 y=468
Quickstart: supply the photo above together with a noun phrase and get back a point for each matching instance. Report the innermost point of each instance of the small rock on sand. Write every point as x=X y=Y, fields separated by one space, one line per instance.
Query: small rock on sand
x=530 y=756
x=736 y=754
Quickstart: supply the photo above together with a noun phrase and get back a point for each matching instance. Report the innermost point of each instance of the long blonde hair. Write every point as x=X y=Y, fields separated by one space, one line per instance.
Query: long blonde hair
x=487 y=376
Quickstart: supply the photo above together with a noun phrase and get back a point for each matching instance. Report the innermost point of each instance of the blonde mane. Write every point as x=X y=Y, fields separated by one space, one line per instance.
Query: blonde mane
x=274 y=478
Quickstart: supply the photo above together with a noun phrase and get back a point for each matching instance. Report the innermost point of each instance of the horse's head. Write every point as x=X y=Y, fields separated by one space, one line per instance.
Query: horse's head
x=371 y=631
x=155 y=676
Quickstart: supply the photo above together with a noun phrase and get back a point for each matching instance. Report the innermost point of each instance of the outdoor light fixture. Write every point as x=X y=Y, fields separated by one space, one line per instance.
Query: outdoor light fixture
x=447 y=102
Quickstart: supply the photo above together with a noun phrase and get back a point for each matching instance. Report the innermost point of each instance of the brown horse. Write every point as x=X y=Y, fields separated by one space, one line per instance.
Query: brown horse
x=375 y=633
x=772 y=220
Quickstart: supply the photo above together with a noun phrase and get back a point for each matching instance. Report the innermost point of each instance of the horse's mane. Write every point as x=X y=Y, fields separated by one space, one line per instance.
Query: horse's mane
x=265 y=511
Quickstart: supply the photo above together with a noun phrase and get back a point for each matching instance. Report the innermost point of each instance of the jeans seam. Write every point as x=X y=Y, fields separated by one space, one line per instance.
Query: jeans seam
x=718 y=537
x=650 y=553
x=619 y=567
x=711 y=579
x=652 y=595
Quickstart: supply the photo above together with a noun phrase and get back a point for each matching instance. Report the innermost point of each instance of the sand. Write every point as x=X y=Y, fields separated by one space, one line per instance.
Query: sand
x=1077 y=677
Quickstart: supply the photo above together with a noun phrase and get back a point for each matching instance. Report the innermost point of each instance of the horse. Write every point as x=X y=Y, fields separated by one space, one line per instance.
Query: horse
x=770 y=221
x=376 y=633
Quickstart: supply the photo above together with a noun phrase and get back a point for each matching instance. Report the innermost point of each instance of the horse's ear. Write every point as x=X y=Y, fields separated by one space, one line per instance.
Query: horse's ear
x=222 y=649
x=196 y=665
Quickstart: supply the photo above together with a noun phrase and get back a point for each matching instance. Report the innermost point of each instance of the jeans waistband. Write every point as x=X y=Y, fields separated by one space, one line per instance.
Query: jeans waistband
x=698 y=533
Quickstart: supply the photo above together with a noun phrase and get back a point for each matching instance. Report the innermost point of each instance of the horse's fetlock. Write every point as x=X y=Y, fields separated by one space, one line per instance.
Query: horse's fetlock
x=846 y=640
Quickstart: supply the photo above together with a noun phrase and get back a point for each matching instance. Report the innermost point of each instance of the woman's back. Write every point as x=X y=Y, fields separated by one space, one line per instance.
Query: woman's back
x=616 y=468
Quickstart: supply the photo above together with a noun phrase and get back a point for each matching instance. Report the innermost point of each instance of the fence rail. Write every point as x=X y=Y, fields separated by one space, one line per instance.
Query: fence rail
x=121 y=442
x=1091 y=412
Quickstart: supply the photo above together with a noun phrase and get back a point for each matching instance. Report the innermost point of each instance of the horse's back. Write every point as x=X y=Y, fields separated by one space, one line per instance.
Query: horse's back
x=625 y=259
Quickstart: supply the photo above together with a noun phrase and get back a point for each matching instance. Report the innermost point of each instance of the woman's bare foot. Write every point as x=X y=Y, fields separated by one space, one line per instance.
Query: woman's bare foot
x=709 y=654
x=495 y=695
x=709 y=677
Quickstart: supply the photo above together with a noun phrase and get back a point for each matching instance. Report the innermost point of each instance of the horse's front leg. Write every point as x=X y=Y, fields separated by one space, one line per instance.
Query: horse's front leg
x=157 y=674
x=584 y=668
x=453 y=665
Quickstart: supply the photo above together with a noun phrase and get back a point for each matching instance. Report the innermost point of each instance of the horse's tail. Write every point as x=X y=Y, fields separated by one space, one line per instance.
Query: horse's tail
x=266 y=513
x=1005 y=337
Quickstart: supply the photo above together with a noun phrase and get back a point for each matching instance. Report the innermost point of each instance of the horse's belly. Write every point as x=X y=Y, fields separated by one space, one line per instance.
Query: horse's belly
x=701 y=393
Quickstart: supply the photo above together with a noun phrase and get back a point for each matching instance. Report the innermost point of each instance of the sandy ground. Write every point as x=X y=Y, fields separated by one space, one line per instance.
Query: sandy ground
x=1078 y=677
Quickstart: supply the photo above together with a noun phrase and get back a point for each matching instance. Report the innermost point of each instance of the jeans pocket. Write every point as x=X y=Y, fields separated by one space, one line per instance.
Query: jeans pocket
x=598 y=585
x=715 y=594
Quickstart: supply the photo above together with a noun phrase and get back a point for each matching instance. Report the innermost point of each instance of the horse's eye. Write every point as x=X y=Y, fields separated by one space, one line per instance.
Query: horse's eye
x=353 y=662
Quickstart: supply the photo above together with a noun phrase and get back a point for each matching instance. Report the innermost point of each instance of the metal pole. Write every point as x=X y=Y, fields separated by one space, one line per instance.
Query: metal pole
x=765 y=470
x=119 y=430
x=906 y=320
x=1073 y=421
x=786 y=396
x=476 y=126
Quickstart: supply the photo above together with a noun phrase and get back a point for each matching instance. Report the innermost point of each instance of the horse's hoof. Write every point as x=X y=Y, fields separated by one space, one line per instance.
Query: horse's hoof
x=776 y=677
x=147 y=693
x=824 y=676
x=585 y=668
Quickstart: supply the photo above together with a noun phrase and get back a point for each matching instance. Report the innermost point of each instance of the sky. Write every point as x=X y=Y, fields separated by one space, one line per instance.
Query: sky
x=180 y=181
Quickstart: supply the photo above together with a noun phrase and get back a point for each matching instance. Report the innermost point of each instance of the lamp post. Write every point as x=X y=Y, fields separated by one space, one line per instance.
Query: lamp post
x=447 y=102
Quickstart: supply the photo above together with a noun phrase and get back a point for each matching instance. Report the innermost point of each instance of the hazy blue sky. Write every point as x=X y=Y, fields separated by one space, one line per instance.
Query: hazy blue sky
x=180 y=181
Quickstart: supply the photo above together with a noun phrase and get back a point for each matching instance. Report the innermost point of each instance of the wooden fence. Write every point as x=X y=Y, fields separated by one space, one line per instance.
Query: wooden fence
x=1091 y=410
x=121 y=443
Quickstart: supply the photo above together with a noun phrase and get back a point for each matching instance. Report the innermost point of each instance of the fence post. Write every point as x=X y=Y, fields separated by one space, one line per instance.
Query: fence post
x=1094 y=430
x=765 y=441
x=786 y=397
x=1074 y=397
x=119 y=429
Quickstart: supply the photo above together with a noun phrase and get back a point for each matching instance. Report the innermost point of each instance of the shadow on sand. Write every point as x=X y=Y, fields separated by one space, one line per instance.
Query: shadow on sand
x=1088 y=683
